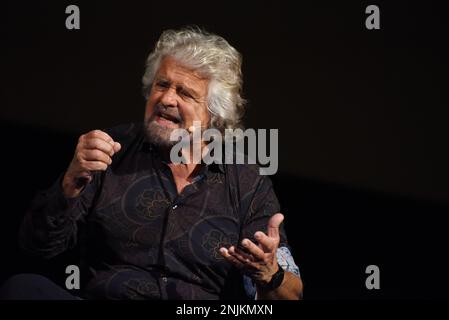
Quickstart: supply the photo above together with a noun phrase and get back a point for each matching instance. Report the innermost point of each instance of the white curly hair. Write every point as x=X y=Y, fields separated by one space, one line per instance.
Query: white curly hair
x=213 y=57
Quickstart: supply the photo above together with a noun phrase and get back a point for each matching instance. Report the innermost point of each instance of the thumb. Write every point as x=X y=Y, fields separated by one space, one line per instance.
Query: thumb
x=273 y=225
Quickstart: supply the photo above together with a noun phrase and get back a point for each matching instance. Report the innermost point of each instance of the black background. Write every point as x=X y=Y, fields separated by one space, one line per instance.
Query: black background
x=361 y=116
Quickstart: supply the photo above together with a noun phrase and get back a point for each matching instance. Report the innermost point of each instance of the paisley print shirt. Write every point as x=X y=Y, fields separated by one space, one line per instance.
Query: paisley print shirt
x=141 y=239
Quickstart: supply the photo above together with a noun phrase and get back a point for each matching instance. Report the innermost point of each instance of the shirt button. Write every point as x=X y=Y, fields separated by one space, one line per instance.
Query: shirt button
x=174 y=207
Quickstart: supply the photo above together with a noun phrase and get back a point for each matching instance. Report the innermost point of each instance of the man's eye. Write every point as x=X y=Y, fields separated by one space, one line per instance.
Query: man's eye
x=186 y=94
x=162 y=84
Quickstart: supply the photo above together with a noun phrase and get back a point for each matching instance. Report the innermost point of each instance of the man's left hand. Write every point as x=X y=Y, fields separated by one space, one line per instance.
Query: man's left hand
x=257 y=261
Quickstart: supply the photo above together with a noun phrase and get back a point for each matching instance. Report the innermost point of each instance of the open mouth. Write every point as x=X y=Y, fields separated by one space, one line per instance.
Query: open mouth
x=168 y=119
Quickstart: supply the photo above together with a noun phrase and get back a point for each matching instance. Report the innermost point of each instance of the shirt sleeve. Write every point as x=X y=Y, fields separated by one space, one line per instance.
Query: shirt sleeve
x=50 y=224
x=261 y=204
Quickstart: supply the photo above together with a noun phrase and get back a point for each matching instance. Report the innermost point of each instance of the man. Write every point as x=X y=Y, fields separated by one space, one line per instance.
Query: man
x=155 y=229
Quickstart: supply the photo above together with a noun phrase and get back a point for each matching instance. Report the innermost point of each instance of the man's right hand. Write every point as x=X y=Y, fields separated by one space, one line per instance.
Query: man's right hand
x=93 y=152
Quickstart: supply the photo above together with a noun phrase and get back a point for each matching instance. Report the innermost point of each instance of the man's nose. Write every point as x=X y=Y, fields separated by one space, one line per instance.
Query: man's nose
x=169 y=98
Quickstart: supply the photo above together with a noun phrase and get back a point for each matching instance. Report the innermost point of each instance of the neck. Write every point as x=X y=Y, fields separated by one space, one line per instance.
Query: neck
x=185 y=171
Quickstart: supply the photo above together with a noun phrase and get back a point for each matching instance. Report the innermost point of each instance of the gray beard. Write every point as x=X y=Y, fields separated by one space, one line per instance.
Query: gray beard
x=158 y=135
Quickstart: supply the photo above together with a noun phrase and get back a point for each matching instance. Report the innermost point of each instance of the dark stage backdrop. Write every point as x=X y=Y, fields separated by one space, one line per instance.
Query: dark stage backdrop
x=361 y=115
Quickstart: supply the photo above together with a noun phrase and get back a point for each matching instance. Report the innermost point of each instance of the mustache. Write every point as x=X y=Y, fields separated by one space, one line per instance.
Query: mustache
x=161 y=110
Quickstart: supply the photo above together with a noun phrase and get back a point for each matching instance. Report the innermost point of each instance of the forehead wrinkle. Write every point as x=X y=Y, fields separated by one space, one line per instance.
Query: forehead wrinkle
x=188 y=78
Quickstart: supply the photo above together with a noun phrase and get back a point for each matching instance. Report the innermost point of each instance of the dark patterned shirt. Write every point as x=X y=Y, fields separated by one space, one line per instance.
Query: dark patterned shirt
x=142 y=239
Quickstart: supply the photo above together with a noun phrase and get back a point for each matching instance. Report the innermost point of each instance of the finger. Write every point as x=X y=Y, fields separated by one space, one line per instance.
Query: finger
x=238 y=254
x=242 y=251
x=95 y=166
x=117 y=147
x=247 y=263
x=101 y=135
x=97 y=155
x=273 y=225
x=225 y=253
x=232 y=252
x=269 y=244
x=253 y=249
x=244 y=255
x=100 y=144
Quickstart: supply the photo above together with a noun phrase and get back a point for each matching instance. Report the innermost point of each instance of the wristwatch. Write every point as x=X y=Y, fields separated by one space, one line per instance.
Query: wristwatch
x=275 y=282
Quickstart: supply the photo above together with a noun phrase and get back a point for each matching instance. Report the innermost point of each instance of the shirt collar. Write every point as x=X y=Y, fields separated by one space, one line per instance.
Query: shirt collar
x=147 y=146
